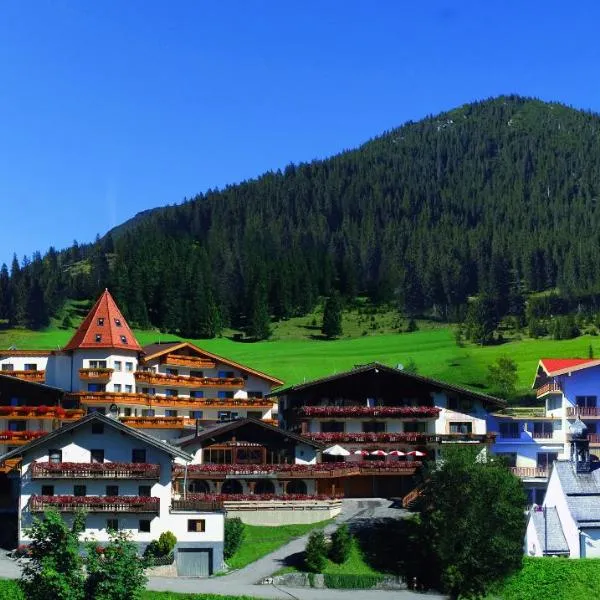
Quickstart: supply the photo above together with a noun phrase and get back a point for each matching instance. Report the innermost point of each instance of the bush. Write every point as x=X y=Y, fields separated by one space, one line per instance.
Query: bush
x=234 y=534
x=341 y=544
x=315 y=556
x=162 y=547
x=352 y=582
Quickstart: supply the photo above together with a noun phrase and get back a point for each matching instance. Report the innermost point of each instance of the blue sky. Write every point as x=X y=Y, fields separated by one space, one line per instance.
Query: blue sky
x=108 y=108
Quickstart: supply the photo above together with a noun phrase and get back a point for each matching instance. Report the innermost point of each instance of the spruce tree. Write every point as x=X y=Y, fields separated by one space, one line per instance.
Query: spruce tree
x=332 y=317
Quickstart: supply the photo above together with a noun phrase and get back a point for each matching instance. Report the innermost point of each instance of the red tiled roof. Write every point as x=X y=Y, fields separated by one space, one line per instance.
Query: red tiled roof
x=553 y=365
x=104 y=327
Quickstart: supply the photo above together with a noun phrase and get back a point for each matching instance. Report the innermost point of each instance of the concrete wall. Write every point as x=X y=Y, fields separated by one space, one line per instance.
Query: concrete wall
x=273 y=514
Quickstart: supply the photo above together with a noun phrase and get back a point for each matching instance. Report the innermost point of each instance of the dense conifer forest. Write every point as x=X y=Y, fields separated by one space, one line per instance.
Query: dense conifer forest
x=495 y=200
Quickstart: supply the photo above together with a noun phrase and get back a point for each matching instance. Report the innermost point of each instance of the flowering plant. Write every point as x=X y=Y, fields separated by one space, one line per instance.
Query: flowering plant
x=366 y=411
x=263 y=497
x=59 y=467
x=369 y=437
x=94 y=501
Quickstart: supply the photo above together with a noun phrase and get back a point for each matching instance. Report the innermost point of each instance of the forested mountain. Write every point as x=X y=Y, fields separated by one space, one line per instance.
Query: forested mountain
x=498 y=198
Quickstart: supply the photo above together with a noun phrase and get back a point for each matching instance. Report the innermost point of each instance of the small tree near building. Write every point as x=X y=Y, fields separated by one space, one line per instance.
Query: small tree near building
x=332 y=317
x=341 y=544
x=234 y=534
x=315 y=556
x=502 y=376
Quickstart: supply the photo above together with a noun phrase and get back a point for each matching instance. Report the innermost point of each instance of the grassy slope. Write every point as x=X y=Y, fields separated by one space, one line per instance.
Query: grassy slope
x=260 y=540
x=295 y=359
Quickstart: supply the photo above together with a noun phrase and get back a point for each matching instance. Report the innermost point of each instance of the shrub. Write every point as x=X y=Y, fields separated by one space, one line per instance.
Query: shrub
x=315 y=556
x=341 y=544
x=351 y=582
x=161 y=547
x=234 y=534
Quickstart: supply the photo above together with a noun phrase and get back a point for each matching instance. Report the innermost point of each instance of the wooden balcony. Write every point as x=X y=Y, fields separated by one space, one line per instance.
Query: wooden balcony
x=158 y=422
x=401 y=438
x=39 y=412
x=196 y=505
x=542 y=435
x=594 y=439
x=199 y=403
x=10 y=464
x=359 y=412
x=583 y=412
x=96 y=504
x=109 y=470
x=94 y=398
x=531 y=472
x=552 y=387
x=193 y=362
x=37 y=376
x=95 y=374
x=18 y=438
x=176 y=381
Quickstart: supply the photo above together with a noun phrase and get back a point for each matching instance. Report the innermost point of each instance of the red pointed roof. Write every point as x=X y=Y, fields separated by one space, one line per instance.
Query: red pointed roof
x=104 y=327
x=555 y=366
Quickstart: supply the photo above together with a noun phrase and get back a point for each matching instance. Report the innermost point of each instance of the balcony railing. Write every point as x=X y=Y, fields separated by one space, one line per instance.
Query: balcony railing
x=399 y=412
x=194 y=362
x=408 y=438
x=211 y=502
x=524 y=412
x=96 y=374
x=39 y=412
x=107 y=504
x=158 y=422
x=38 y=376
x=551 y=387
x=111 y=470
x=582 y=411
x=110 y=398
x=184 y=401
x=20 y=437
x=542 y=435
x=594 y=438
x=186 y=381
x=531 y=472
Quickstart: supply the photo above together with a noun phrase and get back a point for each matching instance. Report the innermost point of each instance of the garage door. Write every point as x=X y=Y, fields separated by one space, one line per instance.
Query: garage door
x=193 y=563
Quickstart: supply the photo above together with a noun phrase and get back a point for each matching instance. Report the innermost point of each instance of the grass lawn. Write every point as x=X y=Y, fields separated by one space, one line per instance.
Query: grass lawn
x=552 y=578
x=260 y=540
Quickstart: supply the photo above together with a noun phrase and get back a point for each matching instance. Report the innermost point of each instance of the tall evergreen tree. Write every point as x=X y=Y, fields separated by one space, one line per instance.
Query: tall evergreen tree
x=332 y=316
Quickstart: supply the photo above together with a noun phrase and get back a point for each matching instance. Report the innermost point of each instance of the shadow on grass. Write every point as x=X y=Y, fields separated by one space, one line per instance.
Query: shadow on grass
x=295 y=560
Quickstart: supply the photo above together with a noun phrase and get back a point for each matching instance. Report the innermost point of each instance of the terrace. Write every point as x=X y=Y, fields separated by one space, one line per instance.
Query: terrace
x=107 y=470
x=408 y=438
x=158 y=422
x=186 y=380
x=398 y=412
x=211 y=402
x=96 y=504
x=211 y=502
x=551 y=387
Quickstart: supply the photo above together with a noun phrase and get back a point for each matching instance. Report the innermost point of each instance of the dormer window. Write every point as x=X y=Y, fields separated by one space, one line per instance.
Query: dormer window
x=118 y=322
x=123 y=339
x=98 y=337
x=101 y=321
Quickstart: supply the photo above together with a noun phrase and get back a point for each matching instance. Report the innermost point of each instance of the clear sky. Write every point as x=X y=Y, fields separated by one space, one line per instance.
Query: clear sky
x=110 y=107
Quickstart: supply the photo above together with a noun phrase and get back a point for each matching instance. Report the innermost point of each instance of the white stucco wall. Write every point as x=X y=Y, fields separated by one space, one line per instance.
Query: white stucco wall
x=532 y=543
x=590 y=543
x=19 y=362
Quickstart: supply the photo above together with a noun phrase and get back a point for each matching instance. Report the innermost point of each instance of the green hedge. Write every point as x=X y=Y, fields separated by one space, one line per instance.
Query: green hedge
x=352 y=582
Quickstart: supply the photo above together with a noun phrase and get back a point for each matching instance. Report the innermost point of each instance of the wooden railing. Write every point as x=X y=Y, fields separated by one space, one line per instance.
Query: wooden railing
x=395 y=412
x=594 y=438
x=523 y=412
x=94 y=471
x=194 y=362
x=542 y=435
x=582 y=411
x=38 y=376
x=540 y=472
x=158 y=422
x=20 y=437
x=196 y=505
x=39 y=412
x=110 y=398
x=186 y=381
x=403 y=438
x=110 y=504
x=551 y=387
x=211 y=402
x=412 y=497
x=96 y=374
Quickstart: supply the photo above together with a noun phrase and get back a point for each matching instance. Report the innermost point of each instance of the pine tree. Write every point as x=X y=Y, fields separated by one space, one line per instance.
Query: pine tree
x=259 y=327
x=332 y=316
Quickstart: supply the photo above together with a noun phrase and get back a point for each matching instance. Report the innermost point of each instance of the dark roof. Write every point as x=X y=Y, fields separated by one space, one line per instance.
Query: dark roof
x=582 y=492
x=34 y=384
x=233 y=425
x=151 y=349
x=485 y=398
x=96 y=416
x=549 y=531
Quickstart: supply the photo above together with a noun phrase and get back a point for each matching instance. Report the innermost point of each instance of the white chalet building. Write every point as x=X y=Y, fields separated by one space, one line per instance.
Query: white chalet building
x=122 y=478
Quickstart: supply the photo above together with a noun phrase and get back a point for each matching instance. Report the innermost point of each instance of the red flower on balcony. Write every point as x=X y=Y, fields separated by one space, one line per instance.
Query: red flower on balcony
x=366 y=411
x=95 y=467
x=370 y=437
x=42 y=410
x=259 y=497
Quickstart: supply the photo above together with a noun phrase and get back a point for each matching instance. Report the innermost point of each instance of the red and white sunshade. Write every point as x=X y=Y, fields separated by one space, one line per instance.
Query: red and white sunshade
x=416 y=453
x=397 y=453
x=378 y=453
x=362 y=452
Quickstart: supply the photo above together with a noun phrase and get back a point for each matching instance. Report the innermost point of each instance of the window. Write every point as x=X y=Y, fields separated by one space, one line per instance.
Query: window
x=30 y=366
x=129 y=367
x=98 y=337
x=112 y=490
x=196 y=394
x=197 y=374
x=510 y=430
x=147 y=412
x=254 y=414
x=118 y=366
x=128 y=389
x=196 y=525
x=255 y=394
x=47 y=490
x=97 y=456
x=117 y=387
x=542 y=430
x=79 y=490
x=123 y=339
x=169 y=412
x=171 y=393
x=98 y=409
x=586 y=401
x=127 y=412
x=97 y=428
x=415 y=427
x=510 y=458
x=545 y=459
x=370 y=402
x=172 y=371
x=461 y=427
x=17 y=425
x=332 y=427
x=145 y=491
x=96 y=387
x=118 y=322
x=138 y=455
x=373 y=427
x=226 y=374
x=224 y=415
x=112 y=524
x=195 y=414
x=100 y=321
x=144 y=525
x=223 y=394
x=54 y=456
x=98 y=364
x=8 y=367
